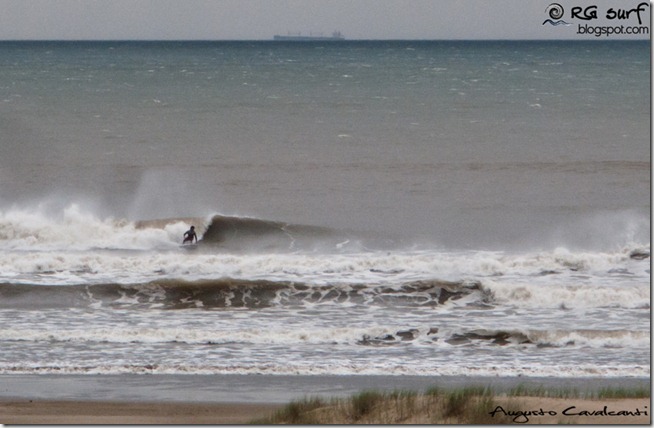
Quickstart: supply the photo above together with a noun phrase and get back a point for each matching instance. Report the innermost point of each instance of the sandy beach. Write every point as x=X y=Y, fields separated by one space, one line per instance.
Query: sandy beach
x=533 y=410
x=236 y=399
x=91 y=413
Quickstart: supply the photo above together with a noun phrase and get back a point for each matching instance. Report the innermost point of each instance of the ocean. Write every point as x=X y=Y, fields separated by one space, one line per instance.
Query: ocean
x=396 y=208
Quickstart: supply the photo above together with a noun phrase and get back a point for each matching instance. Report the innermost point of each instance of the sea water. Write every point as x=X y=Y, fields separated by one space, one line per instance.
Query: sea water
x=396 y=208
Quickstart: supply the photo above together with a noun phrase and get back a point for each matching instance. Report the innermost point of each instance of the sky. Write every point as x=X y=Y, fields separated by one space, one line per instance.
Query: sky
x=261 y=19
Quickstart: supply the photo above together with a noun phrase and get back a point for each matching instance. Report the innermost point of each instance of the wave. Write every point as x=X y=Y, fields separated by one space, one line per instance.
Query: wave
x=517 y=337
x=313 y=368
x=224 y=228
x=77 y=253
x=75 y=228
x=78 y=229
x=252 y=233
x=336 y=283
x=233 y=293
x=568 y=296
x=434 y=335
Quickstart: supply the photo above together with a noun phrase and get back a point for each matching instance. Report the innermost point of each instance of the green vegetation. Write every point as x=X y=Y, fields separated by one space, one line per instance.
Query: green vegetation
x=603 y=393
x=469 y=405
x=298 y=412
x=606 y=393
x=541 y=391
x=364 y=403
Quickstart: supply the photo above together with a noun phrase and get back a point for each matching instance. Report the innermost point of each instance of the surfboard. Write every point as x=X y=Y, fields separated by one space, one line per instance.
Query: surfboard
x=189 y=246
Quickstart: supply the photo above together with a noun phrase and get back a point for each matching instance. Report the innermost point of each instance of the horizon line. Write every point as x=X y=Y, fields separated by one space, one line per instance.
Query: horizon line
x=594 y=39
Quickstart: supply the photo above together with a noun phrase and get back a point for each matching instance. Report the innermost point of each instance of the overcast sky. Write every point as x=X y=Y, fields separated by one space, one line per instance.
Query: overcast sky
x=261 y=19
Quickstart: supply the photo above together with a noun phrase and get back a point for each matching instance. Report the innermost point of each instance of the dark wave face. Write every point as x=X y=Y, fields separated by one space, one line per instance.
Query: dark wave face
x=234 y=294
x=253 y=234
x=224 y=228
x=241 y=230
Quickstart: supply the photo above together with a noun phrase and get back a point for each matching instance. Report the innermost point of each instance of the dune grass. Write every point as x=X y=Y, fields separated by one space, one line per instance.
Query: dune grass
x=468 y=405
x=603 y=393
x=609 y=392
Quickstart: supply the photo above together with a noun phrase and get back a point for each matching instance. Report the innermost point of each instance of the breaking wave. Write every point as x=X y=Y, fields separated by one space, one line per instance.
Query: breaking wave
x=234 y=293
x=436 y=335
x=77 y=229
x=228 y=229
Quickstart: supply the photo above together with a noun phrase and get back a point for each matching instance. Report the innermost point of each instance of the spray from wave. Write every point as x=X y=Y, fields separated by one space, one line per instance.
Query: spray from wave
x=78 y=229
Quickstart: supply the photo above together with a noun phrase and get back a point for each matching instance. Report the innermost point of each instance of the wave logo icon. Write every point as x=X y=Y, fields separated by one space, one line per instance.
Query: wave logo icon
x=555 y=11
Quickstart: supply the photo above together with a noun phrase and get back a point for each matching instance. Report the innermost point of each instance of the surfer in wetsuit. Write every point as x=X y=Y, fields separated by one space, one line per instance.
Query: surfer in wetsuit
x=189 y=235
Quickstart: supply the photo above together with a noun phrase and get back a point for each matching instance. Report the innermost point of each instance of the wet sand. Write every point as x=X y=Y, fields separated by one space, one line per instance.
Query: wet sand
x=136 y=413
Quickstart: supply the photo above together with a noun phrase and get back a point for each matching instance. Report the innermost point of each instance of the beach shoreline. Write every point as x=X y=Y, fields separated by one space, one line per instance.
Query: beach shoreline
x=272 y=389
x=235 y=399
x=541 y=410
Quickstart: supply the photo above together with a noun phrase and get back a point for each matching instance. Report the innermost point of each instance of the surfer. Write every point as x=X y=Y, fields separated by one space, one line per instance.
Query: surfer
x=189 y=235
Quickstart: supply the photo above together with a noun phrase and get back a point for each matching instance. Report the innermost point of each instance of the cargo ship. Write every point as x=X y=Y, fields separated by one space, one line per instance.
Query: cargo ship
x=335 y=37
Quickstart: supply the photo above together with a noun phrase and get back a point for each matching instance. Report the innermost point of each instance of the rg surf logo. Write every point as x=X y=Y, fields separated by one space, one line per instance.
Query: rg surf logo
x=557 y=16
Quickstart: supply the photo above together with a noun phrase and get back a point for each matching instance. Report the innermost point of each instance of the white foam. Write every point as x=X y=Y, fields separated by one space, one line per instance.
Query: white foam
x=289 y=334
x=594 y=338
x=168 y=334
x=512 y=279
x=568 y=296
x=339 y=367
x=78 y=230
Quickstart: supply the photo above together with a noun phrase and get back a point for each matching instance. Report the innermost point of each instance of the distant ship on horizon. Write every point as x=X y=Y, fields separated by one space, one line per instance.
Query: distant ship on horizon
x=336 y=36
